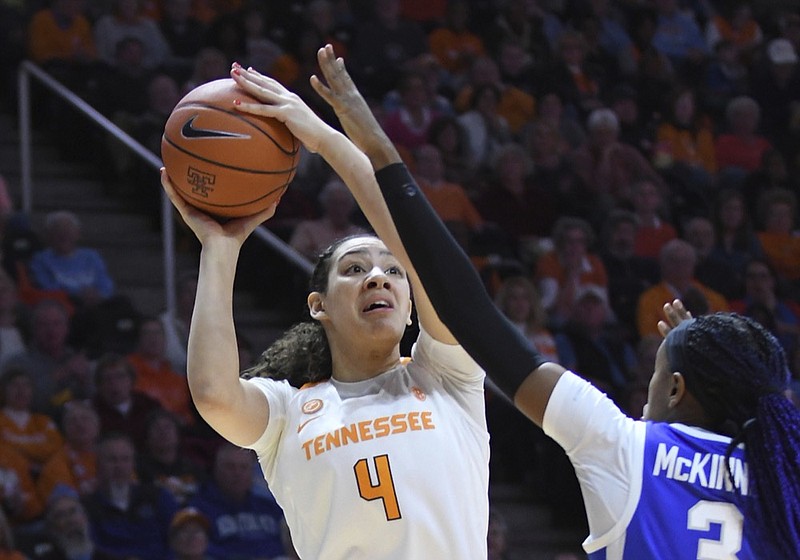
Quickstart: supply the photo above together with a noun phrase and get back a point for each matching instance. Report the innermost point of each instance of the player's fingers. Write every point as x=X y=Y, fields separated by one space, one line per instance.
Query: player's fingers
x=263 y=91
x=260 y=109
x=663 y=328
x=681 y=310
x=178 y=202
x=322 y=90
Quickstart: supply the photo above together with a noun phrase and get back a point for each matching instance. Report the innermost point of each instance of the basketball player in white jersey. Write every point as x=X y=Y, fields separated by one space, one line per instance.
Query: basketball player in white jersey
x=369 y=455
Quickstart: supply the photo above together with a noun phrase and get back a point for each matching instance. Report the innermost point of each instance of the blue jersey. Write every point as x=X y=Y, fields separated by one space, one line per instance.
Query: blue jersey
x=684 y=478
x=652 y=490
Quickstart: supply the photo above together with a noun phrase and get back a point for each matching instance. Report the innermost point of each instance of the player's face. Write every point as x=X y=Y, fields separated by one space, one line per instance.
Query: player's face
x=660 y=388
x=368 y=291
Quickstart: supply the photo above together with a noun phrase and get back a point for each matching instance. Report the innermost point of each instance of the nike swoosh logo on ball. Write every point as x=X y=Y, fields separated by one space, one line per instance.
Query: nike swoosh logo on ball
x=189 y=131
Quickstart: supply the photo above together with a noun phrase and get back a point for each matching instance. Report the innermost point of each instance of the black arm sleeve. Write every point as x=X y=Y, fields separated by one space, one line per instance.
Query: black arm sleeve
x=453 y=285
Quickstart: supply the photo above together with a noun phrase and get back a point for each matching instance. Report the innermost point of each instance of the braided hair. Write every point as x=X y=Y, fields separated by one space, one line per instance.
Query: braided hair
x=738 y=372
x=302 y=354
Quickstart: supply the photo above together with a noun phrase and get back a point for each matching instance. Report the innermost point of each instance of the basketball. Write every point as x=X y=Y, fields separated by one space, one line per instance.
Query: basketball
x=224 y=162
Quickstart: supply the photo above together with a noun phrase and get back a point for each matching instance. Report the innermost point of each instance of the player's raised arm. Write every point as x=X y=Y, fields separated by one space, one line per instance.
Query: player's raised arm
x=237 y=410
x=452 y=283
x=348 y=162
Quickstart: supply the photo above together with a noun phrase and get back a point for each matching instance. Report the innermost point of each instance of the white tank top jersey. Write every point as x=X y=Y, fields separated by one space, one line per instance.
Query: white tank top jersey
x=395 y=467
x=652 y=490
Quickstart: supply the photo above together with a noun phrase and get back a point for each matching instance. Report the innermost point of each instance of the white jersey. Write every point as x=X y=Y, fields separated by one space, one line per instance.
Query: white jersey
x=394 y=467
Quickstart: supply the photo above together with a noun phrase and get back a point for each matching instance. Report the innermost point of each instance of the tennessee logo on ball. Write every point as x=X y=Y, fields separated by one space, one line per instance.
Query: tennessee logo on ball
x=200 y=181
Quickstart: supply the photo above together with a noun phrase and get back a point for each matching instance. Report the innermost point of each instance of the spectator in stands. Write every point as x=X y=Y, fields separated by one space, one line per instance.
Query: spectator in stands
x=11 y=341
x=407 y=124
x=710 y=270
x=774 y=85
x=60 y=373
x=120 y=92
x=534 y=27
x=737 y=242
x=524 y=210
x=128 y=518
x=261 y=50
x=516 y=106
x=310 y=237
x=519 y=300
x=241 y=521
x=487 y=130
x=591 y=343
x=579 y=84
x=61 y=34
x=684 y=148
x=636 y=127
x=121 y=408
x=447 y=134
x=740 y=149
x=74 y=464
x=607 y=166
x=734 y=22
x=677 y=262
x=562 y=271
x=128 y=20
x=209 y=64
x=154 y=374
x=449 y=200
x=188 y=535
x=628 y=273
x=763 y=302
x=517 y=69
x=777 y=217
x=773 y=173
x=66 y=534
x=164 y=461
x=613 y=37
x=65 y=265
x=182 y=32
x=453 y=43
x=33 y=434
x=382 y=46
x=18 y=497
x=726 y=78
x=653 y=227
x=679 y=37
x=550 y=110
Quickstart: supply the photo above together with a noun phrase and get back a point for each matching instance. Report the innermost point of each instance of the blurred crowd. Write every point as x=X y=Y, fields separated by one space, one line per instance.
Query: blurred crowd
x=595 y=158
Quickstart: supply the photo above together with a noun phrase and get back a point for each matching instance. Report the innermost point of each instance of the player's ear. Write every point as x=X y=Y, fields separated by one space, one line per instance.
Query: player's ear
x=316 y=306
x=678 y=389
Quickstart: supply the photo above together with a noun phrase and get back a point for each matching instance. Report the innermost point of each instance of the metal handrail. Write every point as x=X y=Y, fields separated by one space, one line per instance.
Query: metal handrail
x=28 y=69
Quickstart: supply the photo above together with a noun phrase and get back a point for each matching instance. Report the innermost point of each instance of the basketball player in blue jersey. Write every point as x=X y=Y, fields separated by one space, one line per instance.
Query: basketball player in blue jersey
x=712 y=471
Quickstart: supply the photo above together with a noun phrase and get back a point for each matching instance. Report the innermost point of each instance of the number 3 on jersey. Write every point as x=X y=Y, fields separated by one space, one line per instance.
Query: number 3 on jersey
x=383 y=489
x=730 y=519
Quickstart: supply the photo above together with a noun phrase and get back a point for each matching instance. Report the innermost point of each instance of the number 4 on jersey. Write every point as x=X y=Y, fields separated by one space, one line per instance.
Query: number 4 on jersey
x=384 y=487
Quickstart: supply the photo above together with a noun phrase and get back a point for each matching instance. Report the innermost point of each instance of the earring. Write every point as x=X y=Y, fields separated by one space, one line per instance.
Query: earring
x=408 y=321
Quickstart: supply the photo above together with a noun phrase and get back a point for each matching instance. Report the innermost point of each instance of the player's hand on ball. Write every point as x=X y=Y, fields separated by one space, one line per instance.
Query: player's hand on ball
x=205 y=226
x=675 y=314
x=281 y=104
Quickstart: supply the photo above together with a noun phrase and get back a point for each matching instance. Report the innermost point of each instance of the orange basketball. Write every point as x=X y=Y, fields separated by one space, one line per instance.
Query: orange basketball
x=224 y=162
